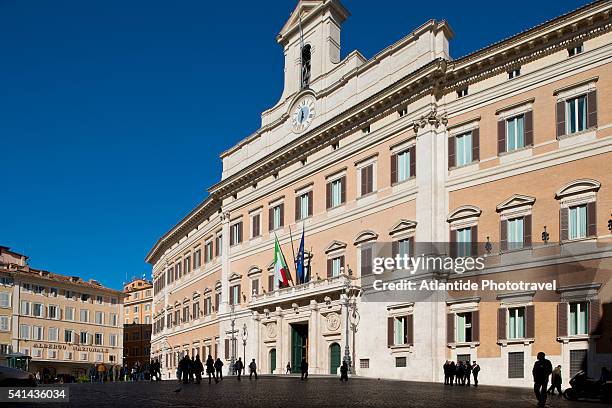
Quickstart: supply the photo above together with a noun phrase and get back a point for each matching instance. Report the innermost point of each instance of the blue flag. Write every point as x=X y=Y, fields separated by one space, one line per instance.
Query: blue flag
x=301 y=276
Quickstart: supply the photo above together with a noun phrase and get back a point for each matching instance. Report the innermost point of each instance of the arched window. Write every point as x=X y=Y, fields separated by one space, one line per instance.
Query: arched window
x=305 y=58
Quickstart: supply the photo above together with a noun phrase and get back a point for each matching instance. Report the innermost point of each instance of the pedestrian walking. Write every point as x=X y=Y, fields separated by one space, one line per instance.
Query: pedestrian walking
x=252 y=369
x=218 y=368
x=555 y=381
x=239 y=366
x=451 y=372
x=92 y=374
x=542 y=369
x=344 y=371
x=304 y=369
x=288 y=369
x=475 y=371
x=198 y=368
x=210 y=369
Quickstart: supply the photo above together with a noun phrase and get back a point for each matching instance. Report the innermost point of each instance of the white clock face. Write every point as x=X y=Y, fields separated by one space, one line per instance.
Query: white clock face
x=303 y=113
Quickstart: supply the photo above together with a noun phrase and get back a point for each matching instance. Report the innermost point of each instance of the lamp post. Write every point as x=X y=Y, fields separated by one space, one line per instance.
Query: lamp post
x=347 y=352
x=233 y=346
x=245 y=335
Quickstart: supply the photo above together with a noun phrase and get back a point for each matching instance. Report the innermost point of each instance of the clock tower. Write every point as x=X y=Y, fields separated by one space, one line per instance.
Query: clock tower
x=311 y=43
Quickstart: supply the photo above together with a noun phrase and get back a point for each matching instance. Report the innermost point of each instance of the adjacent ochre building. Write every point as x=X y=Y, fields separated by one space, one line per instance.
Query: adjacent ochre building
x=64 y=323
x=137 y=318
x=410 y=146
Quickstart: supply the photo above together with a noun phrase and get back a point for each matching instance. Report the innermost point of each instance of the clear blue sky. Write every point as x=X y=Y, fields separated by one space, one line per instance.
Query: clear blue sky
x=113 y=113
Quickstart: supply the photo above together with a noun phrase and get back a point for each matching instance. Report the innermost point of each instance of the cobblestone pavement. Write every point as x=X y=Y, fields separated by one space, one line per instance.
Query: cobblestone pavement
x=271 y=392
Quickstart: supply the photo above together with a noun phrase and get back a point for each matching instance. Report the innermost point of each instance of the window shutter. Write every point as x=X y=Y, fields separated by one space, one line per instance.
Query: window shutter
x=366 y=261
x=240 y=232
x=256 y=225
x=501 y=324
x=503 y=235
x=330 y=267
x=592 y=219
x=411 y=247
x=393 y=169
x=270 y=282
x=395 y=248
x=562 y=319
x=413 y=161
x=227 y=349
x=594 y=316
x=476 y=145
x=216 y=249
x=560 y=118
x=476 y=325
x=328 y=196
x=232 y=242
x=410 y=330
x=297 y=208
x=453 y=243
x=563 y=221
x=529 y=128
x=530 y=321
x=231 y=293
x=343 y=189
x=342 y=264
x=310 y=203
x=282 y=214
x=271 y=219
x=527 y=231
x=474 y=243
x=239 y=292
x=501 y=136
x=451 y=153
x=364 y=180
x=592 y=109
x=390 y=341
x=450 y=328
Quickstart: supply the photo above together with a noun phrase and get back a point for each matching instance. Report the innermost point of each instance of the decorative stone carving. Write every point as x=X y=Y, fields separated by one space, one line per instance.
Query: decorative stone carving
x=271 y=330
x=333 y=321
x=432 y=118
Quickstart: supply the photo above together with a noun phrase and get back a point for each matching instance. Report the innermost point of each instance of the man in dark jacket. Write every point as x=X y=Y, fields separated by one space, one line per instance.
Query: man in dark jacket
x=451 y=372
x=304 y=369
x=445 y=367
x=218 y=367
x=239 y=366
x=344 y=371
x=475 y=371
x=210 y=369
x=542 y=369
x=198 y=368
x=555 y=381
x=467 y=368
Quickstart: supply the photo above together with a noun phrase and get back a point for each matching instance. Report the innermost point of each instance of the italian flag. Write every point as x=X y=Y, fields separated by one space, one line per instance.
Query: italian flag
x=281 y=271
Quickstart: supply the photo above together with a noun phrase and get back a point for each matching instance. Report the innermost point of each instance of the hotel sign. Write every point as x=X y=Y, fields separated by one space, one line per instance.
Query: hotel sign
x=73 y=347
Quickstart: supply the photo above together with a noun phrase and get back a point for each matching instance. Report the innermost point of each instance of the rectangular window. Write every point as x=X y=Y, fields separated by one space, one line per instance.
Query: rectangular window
x=514 y=73
x=256 y=225
x=99 y=299
x=515 y=133
x=25 y=308
x=364 y=363
x=236 y=233
x=462 y=92
x=578 y=318
x=69 y=313
x=208 y=252
x=197 y=258
x=464 y=327
x=365 y=130
x=99 y=318
x=113 y=319
x=185 y=314
x=464 y=242
x=578 y=222
x=219 y=244
x=400 y=330
x=196 y=310
x=68 y=336
x=276 y=217
x=336 y=266
x=336 y=193
x=403 y=166
x=235 y=294
x=400 y=361
x=516 y=323
x=516 y=365
x=463 y=149
x=403 y=247
x=53 y=334
x=255 y=286
x=366 y=179
x=208 y=306
x=84 y=357
x=578 y=361
x=52 y=312
x=515 y=233
x=112 y=340
x=84 y=316
x=68 y=294
x=576 y=114
x=37 y=309
x=304 y=206
x=578 y=49
x=4 y=323
x=24 y=331
x=5 y=299
x=98 y=339
x=187 y=263
x=53 y=292
x=52 y=354
x=83 y=338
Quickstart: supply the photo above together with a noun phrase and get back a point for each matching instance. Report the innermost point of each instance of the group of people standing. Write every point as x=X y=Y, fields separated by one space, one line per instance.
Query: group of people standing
x=191 y=369
x=459 y=373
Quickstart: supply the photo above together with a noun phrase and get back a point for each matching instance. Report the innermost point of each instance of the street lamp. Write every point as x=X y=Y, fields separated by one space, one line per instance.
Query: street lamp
x=347 y=353
x=245 y=335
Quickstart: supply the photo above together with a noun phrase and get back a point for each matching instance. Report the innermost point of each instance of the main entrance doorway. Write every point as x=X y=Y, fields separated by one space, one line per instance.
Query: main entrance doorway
x=299 y=345
x=334 y=358
x=272 y=360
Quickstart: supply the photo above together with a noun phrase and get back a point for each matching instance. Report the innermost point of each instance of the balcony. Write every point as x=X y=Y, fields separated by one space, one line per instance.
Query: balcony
x=306 y=290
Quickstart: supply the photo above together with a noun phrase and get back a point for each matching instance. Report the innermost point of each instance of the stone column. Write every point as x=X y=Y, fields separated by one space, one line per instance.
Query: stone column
x=280 y=338
x=313 y=338
x=225 y=262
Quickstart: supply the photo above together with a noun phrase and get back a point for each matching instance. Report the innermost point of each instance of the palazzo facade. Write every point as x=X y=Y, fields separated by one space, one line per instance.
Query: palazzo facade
x=507 y=149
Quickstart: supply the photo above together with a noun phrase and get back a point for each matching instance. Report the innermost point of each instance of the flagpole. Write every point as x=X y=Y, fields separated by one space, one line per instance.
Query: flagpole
x=301 y=49
x=293 y=252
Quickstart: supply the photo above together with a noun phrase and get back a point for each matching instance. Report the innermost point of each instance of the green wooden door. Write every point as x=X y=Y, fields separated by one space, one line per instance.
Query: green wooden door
x=334 y=358
x=272 y=361
x=299 y=344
